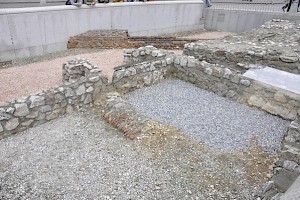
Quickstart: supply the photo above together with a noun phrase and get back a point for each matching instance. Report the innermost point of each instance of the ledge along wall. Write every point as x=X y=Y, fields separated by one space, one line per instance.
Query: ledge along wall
x=28 y=32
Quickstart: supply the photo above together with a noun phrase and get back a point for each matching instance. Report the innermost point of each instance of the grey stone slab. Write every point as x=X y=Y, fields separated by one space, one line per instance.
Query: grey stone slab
x=276 y=78
x=293 y=193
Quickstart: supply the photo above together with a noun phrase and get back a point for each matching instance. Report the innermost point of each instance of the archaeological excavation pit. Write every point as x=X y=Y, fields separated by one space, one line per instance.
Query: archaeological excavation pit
x=220 y=122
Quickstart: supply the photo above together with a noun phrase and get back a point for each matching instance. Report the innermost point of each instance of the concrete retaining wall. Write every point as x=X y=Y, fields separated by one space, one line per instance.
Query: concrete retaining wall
x=240 y=21
x=36 y=31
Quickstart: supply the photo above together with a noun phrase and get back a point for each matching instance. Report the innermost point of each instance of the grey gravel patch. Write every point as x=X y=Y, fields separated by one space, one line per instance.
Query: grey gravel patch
x=79 y=156
x=221 y=123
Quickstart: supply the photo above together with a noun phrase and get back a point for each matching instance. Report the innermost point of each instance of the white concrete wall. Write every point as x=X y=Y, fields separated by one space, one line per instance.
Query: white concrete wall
x=28 y=32
x=240 y=21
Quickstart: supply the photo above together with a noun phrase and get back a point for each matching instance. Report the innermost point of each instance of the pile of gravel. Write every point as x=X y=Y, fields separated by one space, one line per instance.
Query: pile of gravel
x=221 y=123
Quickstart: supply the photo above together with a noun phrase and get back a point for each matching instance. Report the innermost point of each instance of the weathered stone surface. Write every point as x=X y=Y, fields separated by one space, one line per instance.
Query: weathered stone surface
x=12 y=124
x=45 y=108
x=88 y=99
x=1 y=128
x=90 y=89
x=21 y=110
x=208 y=71
x=4 y=115
x=288 y=59
x=10 y=110
x=284 y=179
x=27 y=123
x=32 y=115
x=227 y=73
x=235 y=79
x=245 y=82
x=36 y=101
x=280 y=97
x=69 y=109
x=256 y=101
x=80 y=90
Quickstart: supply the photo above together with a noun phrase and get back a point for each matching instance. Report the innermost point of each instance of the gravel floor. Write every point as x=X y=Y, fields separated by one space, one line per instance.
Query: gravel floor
x=79 y=156
x=219 y=122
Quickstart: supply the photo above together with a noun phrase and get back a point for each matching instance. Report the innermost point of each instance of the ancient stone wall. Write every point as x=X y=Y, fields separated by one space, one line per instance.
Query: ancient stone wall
x=19 y=115
x=274 y=44
x=143 y=54
x=132 y=76
x=241 y=59
x=291 y=144
x=232 y=84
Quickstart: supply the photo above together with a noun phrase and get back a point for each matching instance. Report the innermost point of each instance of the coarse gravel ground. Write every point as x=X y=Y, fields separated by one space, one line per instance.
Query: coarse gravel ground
x=220 y=122
x=79 y=156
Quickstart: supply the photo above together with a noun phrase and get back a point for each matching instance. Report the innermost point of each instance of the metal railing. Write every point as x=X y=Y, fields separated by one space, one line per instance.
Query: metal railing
x=258 y=5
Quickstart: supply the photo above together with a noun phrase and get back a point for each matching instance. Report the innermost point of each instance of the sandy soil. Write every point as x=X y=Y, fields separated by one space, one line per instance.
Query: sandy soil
x=23 y=80
x=31 y=78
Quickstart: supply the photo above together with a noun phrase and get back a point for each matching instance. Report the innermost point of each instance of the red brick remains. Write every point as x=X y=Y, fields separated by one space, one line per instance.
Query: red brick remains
x=108 y=39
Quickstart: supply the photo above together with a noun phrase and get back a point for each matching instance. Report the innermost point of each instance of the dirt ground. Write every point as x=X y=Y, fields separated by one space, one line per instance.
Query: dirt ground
x=31 y=75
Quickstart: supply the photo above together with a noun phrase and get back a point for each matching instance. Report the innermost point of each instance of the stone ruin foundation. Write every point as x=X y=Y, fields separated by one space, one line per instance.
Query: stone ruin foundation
x=230 y=67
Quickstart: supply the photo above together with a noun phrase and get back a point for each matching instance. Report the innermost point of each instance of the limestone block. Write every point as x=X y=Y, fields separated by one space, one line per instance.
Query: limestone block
x=1 y=128
x=41 y=116
x=45 y=108
x=208 y=71
x=4 y=115
x=69 y=92
x=235 y=79
x=118 y=74
x=280 y=97
x=288 y=59
x=32 y=115
x=191 y=62
x=231 y=93
x=177 y=61
x=88 y=99
x=12 y=124
x=94 y=79
x=217 y=72
x=90 y=89
x=290 y=152
x=183 y=61
x=36 y=101
x=256 y=101
x=59 y=97
x=227 y=73
x=80 y=90
x=27 y=123
x=21 y=110
x=10 y=110
x=53 y=115
x=69 y=109
x=245 y=82
x=169 y=61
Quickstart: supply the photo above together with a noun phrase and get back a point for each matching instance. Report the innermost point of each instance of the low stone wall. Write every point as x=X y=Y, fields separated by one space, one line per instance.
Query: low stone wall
x=132 y=76
x=274 y=44
x=291 y=144
x=287 y=168
x=19 y=115
x=232 y=84
x=121 y=39
x=143 y=54
x=240 y=59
